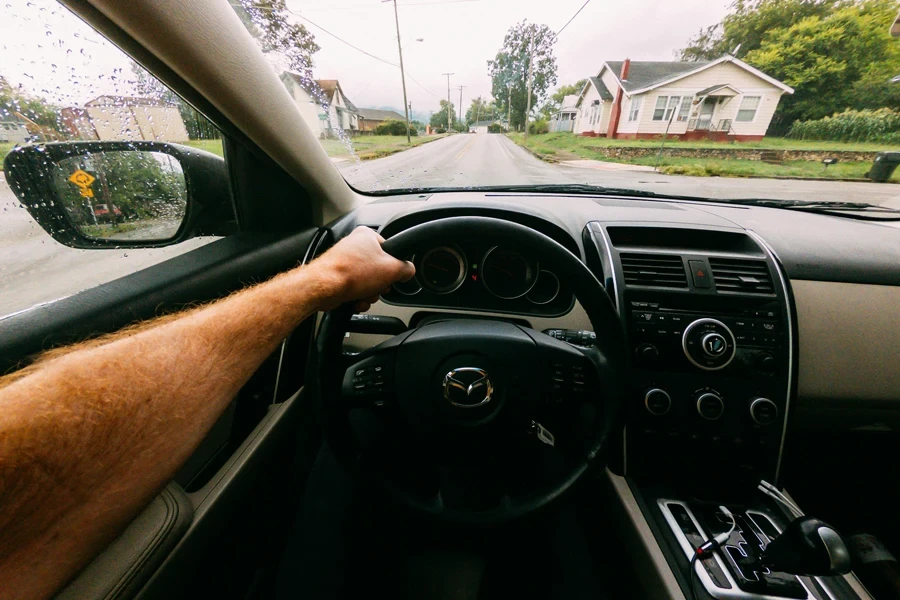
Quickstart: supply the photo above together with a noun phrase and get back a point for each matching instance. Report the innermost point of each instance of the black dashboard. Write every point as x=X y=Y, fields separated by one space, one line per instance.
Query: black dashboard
x=704 y=292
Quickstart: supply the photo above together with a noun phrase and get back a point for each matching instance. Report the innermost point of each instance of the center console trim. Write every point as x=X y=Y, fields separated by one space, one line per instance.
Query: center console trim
x=734 y=593
x=789 y=308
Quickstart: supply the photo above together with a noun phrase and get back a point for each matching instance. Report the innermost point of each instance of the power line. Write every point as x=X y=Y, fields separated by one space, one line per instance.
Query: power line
x=573 y=17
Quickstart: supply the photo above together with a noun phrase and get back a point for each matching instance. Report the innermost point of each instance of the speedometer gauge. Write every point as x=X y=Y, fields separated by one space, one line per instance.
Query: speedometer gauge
x=442 y=269
x=507 y=274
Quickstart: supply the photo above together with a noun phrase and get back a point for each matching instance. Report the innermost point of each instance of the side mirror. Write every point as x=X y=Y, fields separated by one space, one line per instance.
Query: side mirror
x=118 y=194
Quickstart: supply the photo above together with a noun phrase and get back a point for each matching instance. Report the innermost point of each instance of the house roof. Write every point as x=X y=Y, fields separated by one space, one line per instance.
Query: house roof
x=644 y=76
x=717 y=88
x=605 y=94
x=125 y=101
x=648 y=74
x=328 y=86
x=569 y=103
x=376 y=114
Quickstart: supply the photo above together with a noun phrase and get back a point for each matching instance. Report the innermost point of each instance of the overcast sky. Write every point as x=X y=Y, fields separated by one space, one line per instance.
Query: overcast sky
x=52 y=53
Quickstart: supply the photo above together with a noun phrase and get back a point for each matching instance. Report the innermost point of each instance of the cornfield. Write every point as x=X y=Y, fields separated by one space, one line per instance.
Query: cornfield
x=882 y=125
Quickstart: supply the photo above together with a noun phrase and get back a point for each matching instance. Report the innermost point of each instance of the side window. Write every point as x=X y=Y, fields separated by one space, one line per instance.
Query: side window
x=635 y=108
x=747 y=111
x=62 y=81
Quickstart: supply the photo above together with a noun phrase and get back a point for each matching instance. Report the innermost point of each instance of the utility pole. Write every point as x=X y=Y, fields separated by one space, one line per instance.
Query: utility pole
x=509 y=107
x=460 y=102
x=449 y=114
x=530 y=77
x=402 y=72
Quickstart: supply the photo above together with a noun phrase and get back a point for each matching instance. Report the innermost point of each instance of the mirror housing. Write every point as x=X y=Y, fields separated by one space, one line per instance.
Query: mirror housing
x=32 y=170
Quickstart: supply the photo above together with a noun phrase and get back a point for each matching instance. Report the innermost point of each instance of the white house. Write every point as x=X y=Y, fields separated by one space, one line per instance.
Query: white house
x=13 y=130
x=480 y=126
x=564 y=118
x=323 y=104
x=724 y=99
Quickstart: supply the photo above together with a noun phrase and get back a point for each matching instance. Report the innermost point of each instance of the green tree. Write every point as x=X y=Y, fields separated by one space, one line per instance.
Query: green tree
x=748 y=23
x=147 y=86
x=523 y=44
x=554 y=103
x=16 y=101
x=839 y=61
x=439 y=119
x=478 y=110
x=268 y=21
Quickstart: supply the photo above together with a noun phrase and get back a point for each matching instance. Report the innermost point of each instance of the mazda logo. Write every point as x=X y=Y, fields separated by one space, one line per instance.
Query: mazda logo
x=468 y=387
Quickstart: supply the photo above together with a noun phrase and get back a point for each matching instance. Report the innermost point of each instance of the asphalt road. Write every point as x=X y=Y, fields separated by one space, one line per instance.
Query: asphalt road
x=472 y=160
x=35 y=269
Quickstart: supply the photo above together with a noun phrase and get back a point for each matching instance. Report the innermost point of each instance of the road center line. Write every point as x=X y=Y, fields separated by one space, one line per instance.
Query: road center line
x=463 y=151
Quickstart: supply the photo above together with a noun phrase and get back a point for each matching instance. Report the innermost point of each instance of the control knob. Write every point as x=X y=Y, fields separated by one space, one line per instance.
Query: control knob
x=710 y=405
x=647 y=355
x=657 y=401
x=763 y=411
x=708 y=344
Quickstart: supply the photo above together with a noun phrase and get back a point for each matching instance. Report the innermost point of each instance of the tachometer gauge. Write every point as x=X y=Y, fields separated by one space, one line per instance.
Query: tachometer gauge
x=507 y=274
x=442 y=270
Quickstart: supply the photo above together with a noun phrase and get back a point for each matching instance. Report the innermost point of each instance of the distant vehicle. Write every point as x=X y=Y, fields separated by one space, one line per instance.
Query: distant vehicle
x=102 y=212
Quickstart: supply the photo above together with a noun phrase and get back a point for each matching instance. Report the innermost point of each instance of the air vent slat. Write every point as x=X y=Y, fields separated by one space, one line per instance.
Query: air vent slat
x=741 y=276
x=654 y=270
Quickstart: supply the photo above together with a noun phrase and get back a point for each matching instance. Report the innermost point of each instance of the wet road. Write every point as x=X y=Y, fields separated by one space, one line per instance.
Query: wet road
x=472 y=160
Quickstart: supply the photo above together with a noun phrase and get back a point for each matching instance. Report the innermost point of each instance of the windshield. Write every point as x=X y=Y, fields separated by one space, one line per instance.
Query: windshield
x=777 y=99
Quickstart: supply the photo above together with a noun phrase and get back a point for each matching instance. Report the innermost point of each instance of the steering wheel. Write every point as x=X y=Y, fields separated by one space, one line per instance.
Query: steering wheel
x=476 y=421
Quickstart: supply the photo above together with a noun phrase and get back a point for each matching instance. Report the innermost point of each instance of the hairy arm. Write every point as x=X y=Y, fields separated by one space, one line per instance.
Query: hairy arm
x=90 y=435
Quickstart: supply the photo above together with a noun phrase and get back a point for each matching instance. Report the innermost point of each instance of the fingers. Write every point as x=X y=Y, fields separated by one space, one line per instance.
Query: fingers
x=407 y=271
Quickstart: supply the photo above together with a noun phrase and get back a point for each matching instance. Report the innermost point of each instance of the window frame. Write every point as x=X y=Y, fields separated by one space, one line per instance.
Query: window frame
x=684 y=109
x=634 y=112
x=737 y=116
x=660 y=109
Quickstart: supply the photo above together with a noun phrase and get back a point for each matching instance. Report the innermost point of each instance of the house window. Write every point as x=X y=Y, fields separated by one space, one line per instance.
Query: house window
x=665 y=106
x=747 y=111
x=684 y=110
x=635 y=108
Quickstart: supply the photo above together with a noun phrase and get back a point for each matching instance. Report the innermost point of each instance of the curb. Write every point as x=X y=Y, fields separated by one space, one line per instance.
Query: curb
x=542 y=157
x=374 y=155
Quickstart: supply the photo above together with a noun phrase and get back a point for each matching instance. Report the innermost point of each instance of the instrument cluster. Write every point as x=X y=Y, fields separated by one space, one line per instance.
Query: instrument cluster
x=482 y=277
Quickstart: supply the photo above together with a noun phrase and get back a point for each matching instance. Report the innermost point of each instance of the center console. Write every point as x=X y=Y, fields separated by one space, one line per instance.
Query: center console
x=708 y=318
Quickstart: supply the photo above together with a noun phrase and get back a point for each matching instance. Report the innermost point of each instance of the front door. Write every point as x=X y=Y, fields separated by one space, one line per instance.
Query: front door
x=706 y=114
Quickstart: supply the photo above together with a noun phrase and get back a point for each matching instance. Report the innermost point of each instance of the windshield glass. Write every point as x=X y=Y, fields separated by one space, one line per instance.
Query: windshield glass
x=778 y=99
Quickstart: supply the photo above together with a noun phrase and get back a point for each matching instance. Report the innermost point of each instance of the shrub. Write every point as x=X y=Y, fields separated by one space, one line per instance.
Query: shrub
x=440 y=130
x=495 y=128
x=882 y=125
x=539 y=126
x=394 y=128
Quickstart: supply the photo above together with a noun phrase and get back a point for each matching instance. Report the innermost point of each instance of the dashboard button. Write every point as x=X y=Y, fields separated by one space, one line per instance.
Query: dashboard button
x=657 y=401
x=710 y=406
x=643 y=317
x=700 y=274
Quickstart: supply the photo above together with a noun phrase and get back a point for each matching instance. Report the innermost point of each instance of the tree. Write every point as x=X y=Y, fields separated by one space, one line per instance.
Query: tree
x=478 y=110
x=17 y=100
x=439 y=119
x=509 y=69
x=747 y=25
x=551 y=106
x=147 y=86
x=267 y=20
x=839 y=61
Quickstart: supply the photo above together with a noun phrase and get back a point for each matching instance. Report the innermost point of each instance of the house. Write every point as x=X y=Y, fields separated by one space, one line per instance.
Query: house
x=564 y=118
x=723 y=99
x=323 y=104
x=13 y=130
x=370 y=118
x=125 y=118
x=480 y=126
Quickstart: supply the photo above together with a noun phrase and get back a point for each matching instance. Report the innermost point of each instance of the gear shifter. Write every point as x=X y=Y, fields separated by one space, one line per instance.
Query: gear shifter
x=809 y=547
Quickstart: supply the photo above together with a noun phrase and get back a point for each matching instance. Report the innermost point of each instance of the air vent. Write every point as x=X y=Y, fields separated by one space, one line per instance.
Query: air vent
x=743 y=276
x=654 y=270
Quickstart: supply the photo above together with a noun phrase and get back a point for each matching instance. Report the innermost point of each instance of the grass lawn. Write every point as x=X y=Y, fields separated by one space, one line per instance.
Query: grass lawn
x=214 y=146
x=375 y=146
x=565 y=146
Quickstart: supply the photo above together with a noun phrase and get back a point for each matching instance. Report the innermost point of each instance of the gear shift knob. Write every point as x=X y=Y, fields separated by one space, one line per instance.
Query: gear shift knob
x=807 y=546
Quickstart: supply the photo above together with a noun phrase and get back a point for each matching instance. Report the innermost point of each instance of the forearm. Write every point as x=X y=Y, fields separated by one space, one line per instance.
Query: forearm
x=82 y=446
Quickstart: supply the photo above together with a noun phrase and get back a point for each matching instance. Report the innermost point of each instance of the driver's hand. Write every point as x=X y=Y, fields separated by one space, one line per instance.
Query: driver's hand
x=357 y=269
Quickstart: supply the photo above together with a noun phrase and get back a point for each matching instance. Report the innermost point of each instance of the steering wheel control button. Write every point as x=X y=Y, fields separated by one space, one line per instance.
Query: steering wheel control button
x=710 y=406
x=368 y=383
x=657 y=402
x=567 y=380
x=708 y=344
x=763 y=411
x=700 y=274
x=468 y=387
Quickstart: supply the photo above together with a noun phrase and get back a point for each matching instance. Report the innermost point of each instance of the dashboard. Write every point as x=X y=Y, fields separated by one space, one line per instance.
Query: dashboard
x=739 y=318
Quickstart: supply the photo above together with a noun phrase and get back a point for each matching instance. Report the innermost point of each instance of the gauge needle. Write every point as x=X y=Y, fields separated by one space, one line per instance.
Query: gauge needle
x=433 y=266
x=504 y=271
